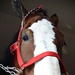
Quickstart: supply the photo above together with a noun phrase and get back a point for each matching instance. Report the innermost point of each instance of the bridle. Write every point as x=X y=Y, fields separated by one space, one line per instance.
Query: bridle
x=22 y=65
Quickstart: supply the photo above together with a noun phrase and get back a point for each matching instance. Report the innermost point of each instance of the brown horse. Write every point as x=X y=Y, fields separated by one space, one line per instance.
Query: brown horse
x=39 y=45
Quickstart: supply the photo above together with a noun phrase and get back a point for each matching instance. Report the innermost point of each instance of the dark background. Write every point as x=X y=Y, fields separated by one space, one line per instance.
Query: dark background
x=65 y=9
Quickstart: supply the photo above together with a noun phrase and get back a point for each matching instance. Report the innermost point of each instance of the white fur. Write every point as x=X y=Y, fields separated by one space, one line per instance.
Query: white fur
x=43 y=41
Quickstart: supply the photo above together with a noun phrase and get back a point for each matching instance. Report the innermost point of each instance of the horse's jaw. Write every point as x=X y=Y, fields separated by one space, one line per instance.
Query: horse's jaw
x=43 y=40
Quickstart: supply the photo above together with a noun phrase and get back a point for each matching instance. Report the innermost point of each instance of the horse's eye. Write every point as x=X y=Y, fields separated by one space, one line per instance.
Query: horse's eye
x=25 y=37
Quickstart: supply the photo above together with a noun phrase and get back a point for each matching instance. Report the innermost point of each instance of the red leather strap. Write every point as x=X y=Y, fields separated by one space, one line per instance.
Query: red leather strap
x=16 y=47
x=42 y=55
x=36 y=58
x=13 y=47
x=16 y=44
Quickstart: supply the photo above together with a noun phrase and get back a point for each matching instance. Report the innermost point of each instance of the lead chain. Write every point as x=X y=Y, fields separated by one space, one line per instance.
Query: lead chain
x=11 y=70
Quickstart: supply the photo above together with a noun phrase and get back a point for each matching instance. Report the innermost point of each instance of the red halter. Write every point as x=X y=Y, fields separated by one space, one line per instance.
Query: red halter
x=16 y=47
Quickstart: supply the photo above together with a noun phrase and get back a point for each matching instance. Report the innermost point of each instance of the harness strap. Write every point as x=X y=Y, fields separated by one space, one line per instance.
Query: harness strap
x=41 y=56
x=16 y=48
x=23 y=65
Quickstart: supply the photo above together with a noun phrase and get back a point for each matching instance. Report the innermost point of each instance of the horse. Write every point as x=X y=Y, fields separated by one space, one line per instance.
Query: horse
x=38 y=49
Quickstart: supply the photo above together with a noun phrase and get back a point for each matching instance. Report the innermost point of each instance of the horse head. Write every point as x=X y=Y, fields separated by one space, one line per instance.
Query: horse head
x=39 y=45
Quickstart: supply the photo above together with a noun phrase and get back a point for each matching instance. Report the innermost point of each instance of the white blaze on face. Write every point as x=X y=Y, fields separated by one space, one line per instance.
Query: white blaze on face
x=43 y=40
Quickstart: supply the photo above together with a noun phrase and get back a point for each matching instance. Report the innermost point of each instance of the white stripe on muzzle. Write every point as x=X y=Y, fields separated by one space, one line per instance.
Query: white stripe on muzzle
x=43 y=40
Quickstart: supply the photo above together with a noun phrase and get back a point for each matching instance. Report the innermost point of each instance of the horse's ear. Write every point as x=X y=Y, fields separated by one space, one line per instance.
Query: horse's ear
x=54 y=19
x=18 y=8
